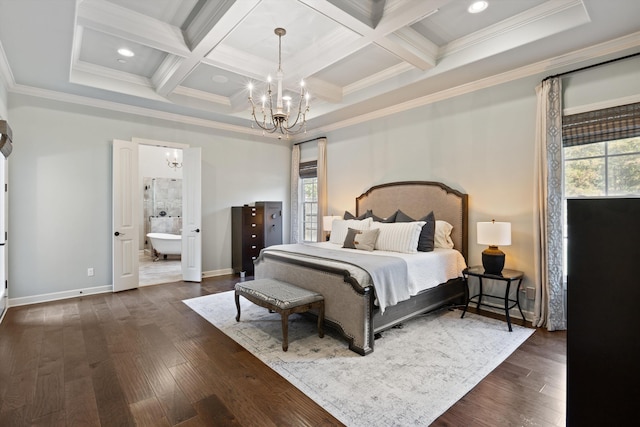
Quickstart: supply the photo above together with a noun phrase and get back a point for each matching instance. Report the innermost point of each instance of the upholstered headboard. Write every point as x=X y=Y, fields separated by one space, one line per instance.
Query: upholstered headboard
x=418 y=198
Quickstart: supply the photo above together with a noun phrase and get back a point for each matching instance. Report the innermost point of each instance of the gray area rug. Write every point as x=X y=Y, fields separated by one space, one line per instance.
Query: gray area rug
x=414 y=375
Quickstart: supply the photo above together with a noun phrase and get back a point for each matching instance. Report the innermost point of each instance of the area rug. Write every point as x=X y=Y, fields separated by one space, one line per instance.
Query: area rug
x=414 y=375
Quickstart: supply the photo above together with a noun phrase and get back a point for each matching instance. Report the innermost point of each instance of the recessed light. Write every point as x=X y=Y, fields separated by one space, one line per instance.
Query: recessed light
x=218 y=78
x=478 y=6
x=125 y=52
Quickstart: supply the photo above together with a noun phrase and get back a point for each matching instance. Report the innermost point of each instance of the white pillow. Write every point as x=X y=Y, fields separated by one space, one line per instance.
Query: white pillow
x=442 y=238
x=398 y=236
x=339 y=228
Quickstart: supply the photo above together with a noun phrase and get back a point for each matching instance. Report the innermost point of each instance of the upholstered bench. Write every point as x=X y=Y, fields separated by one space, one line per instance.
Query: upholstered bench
x=283 y=298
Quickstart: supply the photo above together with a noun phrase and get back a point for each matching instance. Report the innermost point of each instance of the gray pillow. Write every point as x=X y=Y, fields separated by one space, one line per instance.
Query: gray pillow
x=367 y=214
x=425 y=242
x=361 y=239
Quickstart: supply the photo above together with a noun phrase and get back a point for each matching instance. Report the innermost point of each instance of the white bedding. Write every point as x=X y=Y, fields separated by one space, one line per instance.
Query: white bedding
x=425 y=269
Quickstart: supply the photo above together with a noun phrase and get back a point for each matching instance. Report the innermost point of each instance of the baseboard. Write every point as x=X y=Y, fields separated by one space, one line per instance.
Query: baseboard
x=35 y=299
x=215 y=273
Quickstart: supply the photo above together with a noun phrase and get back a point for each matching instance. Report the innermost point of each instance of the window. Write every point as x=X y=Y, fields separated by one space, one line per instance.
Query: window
x=603 y=169
x=310 y=209
x=601 y=155
x=309 y=185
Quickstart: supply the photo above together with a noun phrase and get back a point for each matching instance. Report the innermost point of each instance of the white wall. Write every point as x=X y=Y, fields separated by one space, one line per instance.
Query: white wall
x=60 y=195
x=480 y=143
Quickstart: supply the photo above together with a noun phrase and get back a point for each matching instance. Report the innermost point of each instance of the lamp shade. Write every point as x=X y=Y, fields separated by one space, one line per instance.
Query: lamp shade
x=327 y=222
x=494 y=233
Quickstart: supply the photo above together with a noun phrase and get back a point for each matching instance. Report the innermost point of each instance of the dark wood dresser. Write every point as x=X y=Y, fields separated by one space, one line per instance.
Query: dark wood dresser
x=252 y=229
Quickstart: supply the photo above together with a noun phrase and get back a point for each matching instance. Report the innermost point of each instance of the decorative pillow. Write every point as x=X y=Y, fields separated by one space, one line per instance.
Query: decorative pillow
x=426 y=240
x=442 y=237
x=361 y=239
x=427 y=235
x=403 y=217
x=390 y=218
x=367 y=214
x=399 y=236
x=349 y=215
x=339 y=228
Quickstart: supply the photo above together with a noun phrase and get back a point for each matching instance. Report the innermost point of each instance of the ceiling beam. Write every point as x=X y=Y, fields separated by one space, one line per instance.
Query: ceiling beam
x=392 y=21
x=203 y=41
x=118 y=21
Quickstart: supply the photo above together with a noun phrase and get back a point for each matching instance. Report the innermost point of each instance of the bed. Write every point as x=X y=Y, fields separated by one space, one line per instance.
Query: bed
x=350 y=299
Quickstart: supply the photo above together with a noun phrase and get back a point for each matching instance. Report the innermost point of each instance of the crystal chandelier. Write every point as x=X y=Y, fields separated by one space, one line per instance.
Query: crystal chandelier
x=278 y=117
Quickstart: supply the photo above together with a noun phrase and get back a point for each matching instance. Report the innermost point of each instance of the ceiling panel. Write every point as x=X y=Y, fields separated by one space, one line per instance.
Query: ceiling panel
x=195 y=57
x=102 y=50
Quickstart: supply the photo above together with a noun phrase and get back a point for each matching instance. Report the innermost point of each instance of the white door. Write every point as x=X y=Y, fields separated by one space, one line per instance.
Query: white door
x=191 y=215
x=125 y=215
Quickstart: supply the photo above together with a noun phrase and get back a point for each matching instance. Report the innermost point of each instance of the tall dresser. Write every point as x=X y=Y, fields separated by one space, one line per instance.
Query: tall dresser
x=603 y=342
x=252 y=229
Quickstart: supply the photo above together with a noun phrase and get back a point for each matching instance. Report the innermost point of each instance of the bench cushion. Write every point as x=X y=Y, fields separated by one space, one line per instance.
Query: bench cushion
x=279 y=294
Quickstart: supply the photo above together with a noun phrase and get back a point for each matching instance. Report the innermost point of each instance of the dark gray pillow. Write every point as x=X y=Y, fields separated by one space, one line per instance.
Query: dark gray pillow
x=425 y=241
x=390 y=218
x=367 y=214
x=403 y=217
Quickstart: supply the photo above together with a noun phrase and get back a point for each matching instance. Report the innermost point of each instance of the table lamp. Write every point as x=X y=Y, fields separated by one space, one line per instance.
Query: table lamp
x=494 y=234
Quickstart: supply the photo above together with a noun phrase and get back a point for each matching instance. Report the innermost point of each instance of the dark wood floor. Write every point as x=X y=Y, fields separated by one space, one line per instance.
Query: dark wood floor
x=142 y=357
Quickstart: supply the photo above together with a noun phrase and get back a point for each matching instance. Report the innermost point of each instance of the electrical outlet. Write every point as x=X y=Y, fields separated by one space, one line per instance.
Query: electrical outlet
x=531 y=292
x=90 y=271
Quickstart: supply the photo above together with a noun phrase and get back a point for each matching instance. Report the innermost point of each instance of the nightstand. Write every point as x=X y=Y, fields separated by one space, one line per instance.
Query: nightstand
x=506 y=276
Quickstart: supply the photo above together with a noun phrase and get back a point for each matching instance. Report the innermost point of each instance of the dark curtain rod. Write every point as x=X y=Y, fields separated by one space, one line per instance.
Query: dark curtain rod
x=310 y=140
x=592 y=66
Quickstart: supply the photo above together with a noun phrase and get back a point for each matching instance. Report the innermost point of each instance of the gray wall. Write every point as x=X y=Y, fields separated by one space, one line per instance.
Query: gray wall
x=60 y=191
x=481 y=143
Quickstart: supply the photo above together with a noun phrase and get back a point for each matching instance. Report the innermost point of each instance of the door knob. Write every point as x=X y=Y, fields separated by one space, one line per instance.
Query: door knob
x=117 y=233
x=197 y=230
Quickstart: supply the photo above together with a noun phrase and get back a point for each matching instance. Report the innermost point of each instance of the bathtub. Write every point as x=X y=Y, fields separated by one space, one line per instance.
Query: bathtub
x=166 y=244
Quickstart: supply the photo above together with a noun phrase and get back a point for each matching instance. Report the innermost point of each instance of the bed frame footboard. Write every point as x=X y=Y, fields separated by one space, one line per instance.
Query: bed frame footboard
x=348 y=306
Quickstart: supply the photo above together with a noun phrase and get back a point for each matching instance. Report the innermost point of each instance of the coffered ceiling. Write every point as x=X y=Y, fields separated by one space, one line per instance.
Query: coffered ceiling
x=360 y=59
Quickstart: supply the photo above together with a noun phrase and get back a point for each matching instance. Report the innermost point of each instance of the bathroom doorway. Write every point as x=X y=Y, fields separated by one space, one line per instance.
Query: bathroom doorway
x=160 y=181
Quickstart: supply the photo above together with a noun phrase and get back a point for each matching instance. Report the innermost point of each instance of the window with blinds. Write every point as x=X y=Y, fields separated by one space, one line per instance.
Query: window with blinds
x=309 y=184
x=602 y=152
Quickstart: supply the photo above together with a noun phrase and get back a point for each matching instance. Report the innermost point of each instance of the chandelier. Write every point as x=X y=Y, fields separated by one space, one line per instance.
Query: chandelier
x=173 y=162
x=277 y=117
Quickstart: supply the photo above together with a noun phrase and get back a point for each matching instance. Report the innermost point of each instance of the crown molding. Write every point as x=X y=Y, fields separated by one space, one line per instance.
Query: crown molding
x=631 y=41
x=548 y=66
x=138 y=111
x=530 y=17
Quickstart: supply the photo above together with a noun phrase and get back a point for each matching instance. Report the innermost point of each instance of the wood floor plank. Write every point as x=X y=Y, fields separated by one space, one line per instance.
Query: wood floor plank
x=81 y=408
x=133 y=381
x=149 y=413
x=212 y=412
x=173 y=401
x=142 y=357
x=113 y=409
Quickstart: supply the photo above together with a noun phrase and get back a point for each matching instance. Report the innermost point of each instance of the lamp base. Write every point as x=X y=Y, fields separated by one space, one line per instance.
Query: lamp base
x=493 y=260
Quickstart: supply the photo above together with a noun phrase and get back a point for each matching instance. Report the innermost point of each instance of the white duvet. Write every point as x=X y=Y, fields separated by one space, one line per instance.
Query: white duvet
x=425 y=269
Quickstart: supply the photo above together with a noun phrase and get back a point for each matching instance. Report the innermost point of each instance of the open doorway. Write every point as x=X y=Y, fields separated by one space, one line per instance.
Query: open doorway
x=160 y=182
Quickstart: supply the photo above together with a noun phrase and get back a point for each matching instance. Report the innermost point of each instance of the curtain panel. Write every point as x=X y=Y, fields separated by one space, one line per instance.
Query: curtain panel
x=549 y=306
x=295 y=194
x=322 y=187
